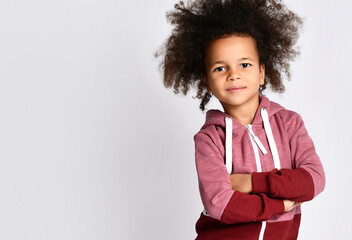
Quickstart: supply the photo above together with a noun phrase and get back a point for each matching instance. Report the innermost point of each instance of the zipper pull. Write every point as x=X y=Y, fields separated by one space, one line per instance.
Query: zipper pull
x=256 y=139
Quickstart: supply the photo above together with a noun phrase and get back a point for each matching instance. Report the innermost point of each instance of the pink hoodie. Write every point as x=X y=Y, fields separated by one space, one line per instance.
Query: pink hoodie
x=300 y=178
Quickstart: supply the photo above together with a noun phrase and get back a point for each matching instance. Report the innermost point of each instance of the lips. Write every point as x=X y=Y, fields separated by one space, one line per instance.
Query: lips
x=235 y=89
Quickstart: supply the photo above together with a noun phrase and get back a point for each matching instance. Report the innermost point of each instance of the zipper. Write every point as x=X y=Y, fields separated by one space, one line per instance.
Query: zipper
x=256 y=142
x=256 y=139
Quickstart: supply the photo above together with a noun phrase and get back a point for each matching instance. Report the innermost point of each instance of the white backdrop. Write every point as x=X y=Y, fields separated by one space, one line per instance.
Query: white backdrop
x=92 y=146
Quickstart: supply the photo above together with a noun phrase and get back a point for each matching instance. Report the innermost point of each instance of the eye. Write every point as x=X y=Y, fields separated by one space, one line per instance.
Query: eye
x=219 y=69
x=245 y=65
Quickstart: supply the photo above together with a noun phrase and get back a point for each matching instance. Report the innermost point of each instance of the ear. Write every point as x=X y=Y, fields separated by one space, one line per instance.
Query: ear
x=261 y=74
x=205 y=82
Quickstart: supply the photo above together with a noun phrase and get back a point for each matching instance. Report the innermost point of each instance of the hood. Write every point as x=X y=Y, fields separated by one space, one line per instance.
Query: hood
x=217 y=117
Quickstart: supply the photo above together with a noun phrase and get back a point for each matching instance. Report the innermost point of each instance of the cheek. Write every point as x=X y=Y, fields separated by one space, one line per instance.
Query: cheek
x=214 y=83
x=256 y=76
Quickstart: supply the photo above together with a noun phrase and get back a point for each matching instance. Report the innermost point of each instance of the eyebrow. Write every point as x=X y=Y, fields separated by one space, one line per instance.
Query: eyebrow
x=247 y=58
x=241 y=59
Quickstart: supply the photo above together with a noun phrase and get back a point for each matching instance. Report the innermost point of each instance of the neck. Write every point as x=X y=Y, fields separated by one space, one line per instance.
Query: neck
x=243 y=113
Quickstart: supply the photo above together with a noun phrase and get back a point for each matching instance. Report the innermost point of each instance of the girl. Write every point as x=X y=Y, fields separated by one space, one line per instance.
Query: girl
x=255 y=160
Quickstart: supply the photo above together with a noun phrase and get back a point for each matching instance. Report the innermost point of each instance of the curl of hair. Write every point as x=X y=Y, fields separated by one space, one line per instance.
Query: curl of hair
x=196 y=24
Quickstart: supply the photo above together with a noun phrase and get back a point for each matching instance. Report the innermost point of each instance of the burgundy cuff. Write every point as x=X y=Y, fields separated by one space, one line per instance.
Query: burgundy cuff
x=260 y=182
x=277 y=206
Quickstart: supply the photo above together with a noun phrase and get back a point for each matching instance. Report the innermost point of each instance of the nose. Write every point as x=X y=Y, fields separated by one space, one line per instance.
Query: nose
x=233 y=74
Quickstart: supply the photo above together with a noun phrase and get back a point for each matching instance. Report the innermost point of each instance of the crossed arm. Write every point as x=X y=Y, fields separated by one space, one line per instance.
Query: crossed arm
x=287 y=179
x=293 y=184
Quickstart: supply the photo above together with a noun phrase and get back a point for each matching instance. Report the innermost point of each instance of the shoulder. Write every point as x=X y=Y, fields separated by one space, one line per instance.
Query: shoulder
x=291 y=120
x=211 y=132
x=214 y=125
x=210 y=140
x=287 y=117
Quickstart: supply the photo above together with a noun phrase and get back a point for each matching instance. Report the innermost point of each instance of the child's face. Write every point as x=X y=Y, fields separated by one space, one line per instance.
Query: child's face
x=233 y=73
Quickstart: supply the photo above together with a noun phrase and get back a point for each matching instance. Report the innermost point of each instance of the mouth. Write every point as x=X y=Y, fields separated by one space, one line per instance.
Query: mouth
x=235 y=89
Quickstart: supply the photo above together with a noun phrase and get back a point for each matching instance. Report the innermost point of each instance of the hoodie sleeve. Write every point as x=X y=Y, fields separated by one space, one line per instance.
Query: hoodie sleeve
x=307 y=179
x=218 y=198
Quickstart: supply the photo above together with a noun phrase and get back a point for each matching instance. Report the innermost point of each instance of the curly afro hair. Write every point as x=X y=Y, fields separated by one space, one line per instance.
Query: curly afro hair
x=274 y=28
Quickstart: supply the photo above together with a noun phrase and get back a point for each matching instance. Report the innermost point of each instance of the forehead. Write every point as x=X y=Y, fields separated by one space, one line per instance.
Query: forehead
x=231 y=48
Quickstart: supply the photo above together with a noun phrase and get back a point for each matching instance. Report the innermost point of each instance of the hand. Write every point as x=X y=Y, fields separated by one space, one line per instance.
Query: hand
x=241 y=182
x=289 y=205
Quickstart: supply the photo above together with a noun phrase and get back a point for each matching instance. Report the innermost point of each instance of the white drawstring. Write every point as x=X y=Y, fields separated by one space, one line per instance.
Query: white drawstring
x=262 y=231
x=228 y=144
x=269 y=135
